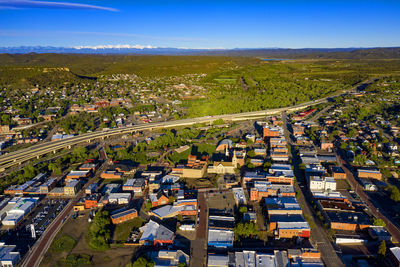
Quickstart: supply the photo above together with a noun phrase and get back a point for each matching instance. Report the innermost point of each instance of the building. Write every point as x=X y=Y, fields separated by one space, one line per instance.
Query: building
x=135 y=185
x=293 y=229
x=119 y=198
x=123 y=216
x=169 y=258
x=394 y=255
x=224 y=145
x=272 y=131
x=156 y=234
x=182 y=207
x=17 y=208
x=77 y=175
x=277 y=142
x=111 y=188
x=9 y=257
x=158 y=199
x=23 y=188
x=92 y=201
x=221 y=167
x=264 y=189
x=379 y=233
x=298 y=130
x=195 y=168
x=88 y=167
x=91 y=188
x=369 y=173
x=72 y=187
x=326 y=145
x=47 y=186
x=322 y=183
x=239 y=196
x=279 y=156
x=338 y=172
x=217 y=260
x=249 y=258
x=111 y=175
x=220 y=238
x=349 y=221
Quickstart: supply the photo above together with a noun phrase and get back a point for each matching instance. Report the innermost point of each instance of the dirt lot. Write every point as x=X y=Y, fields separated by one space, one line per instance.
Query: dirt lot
x=221 y=200
x=199 y=183
x=76 y=228
x=342 y=184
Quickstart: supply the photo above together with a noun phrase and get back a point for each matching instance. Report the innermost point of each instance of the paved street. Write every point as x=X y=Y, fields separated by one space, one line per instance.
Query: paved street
x=198 y=250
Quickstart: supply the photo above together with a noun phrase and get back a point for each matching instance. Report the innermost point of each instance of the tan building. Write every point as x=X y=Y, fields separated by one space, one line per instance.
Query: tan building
x=4 y=129
x=221 y=167
x=72 y=188
x=371 y=174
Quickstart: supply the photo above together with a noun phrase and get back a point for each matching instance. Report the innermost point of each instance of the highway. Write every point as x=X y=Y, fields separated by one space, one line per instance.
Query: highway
x=35 y=151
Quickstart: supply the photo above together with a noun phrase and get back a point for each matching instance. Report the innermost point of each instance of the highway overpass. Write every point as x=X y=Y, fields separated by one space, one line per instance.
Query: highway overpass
x=35 y=151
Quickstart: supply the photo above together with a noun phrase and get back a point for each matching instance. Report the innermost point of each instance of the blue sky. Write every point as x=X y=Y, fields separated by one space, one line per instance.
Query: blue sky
x=200 y=24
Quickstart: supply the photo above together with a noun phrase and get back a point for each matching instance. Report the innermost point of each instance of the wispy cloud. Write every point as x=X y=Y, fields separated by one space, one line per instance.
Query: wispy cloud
x=24 y=33
x=17 y=4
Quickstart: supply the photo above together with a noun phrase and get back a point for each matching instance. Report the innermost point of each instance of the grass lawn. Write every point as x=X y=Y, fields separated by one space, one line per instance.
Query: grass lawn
x=64 y=243
x=75 y=260
x=122 y=230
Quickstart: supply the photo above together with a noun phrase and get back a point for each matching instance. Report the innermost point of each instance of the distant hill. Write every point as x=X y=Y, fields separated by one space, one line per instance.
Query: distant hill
x=328 y=53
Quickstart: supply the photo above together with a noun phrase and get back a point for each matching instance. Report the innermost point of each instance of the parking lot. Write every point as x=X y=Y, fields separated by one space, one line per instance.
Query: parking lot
x=40 y=217
x=44 y=214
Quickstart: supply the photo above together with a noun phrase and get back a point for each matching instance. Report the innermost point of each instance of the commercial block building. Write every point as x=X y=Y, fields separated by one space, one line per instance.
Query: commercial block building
x=369 y=173
x=338 y=172
x=123 y=216
x=72 y=187
x=350 y=221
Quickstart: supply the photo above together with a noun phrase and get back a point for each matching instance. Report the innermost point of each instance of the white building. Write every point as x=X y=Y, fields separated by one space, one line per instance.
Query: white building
x=19 y=207
x=322 y=183
x=240 y=197
x=119 y=198
x=8 y=256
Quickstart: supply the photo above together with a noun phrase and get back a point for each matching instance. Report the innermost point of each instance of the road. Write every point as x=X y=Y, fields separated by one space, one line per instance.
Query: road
x=35 y=255
x=320 y=113
x=22 y=155
x=198 y=250
x=318 y=235
x=357 y=187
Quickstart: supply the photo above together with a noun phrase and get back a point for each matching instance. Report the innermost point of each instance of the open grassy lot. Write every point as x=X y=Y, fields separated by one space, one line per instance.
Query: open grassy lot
x=62 y=253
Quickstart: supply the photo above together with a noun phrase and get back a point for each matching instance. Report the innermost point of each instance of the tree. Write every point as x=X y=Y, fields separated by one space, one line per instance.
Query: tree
x=80 y=152
x=99 y=231
x=54 y=168
x=141 y=262
x=243 y=209
x=171 y=199
x=149 y=205
x=394 y=193
x=382 y=249
x=251 y=154
x=179 y=217
x=245 y=230
x=250 y=165
x=29 y=172
x=379 y=222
